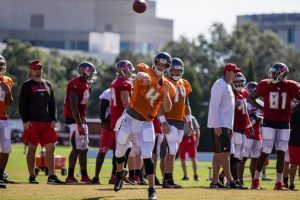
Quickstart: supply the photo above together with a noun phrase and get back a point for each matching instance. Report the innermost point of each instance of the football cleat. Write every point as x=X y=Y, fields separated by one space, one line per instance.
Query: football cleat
x=32 y=180
x=217 y=185
x=279 y=186
x=170 y=184
x=255 y=184
x=71 y=180
x=54 y=180
x=185 y=178
x=152 y=194
x=119 y=180
x=86 y=180
x=95 y=180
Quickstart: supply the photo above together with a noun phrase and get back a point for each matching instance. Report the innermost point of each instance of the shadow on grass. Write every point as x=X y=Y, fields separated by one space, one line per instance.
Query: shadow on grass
x=97 y=198
x=111 y=189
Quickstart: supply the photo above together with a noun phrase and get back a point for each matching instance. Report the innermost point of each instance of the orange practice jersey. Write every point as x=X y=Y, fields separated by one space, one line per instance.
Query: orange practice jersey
x=183 y=89
x=3 y=107
x=146 y=100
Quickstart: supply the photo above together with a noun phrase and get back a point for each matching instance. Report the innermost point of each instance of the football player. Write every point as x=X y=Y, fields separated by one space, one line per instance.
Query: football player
x=107 y=137
x=121 y=88
x=77 y=97
x=277 y=93
x=176 y=117
x=240 y=125
x=253 y=143
x=151 y=92
x=6 y=99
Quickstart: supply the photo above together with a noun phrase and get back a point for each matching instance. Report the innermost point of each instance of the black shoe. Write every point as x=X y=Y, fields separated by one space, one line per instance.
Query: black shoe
x=157 y=182
x=2 y=186
x=95 y=180
x=185 y=178
x=196 y=178
x=119 y=180
x=221 y=180
x=233 y=185
x=5 y=181
x=32 y=180
x=169 y=183
x=5 y=175
x=217 y=185
x=152 y=194
x=54 y=180
x=292 y=188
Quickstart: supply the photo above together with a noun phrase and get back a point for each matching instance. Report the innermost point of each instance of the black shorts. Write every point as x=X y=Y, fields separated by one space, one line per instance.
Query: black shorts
x=223 y=142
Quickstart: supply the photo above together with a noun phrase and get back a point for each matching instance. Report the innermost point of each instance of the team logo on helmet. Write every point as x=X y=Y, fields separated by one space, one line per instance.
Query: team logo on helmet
x=278 y=72
x=125 y=68
x=88 y=71
x=239 y=82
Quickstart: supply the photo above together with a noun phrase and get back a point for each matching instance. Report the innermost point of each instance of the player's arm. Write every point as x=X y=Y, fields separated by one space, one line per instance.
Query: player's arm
x=52 y=106
x=252 y=99
x=197 y=133
x=167 y=103
x=163 y=122
x=74 y=107
x=125 y=98
x=23 y=105
x=8 y=94
x=104 y=105
x=188 y=115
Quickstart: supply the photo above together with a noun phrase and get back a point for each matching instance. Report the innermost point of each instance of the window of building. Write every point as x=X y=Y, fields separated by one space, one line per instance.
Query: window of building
x=291 y=36
x=37 y=21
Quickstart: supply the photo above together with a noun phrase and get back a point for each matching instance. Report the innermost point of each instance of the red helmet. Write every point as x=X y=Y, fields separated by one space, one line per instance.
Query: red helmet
x=278 y=72
x=88 y=71
x=124 y=67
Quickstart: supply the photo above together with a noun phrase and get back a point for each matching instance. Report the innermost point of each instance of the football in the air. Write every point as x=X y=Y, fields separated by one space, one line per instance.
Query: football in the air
x=139 y=6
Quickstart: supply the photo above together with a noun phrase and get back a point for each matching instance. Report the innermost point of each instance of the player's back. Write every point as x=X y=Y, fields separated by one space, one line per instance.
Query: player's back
x=117 y=86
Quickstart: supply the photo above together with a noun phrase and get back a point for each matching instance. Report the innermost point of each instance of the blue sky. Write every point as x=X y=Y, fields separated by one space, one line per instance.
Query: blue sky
x=192 y=17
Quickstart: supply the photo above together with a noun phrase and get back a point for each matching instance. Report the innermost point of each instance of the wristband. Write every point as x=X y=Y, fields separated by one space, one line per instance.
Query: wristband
x=162 y=118
x=188 y=118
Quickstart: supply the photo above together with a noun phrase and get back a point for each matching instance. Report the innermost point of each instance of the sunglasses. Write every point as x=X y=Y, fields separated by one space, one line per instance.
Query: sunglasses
x=36 y=68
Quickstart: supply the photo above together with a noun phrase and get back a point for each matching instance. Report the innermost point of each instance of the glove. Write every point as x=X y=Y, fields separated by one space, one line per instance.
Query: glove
x=252 y=132
x=81 y=130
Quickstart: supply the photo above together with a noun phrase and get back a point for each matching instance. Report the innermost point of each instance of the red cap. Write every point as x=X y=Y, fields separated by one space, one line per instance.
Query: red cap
x=232 y=67
x=35 y=63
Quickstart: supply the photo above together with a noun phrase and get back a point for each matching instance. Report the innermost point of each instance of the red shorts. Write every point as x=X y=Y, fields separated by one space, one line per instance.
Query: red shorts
x=188 y=145
x=107 y=140
x=294 y=153
x=40 y=132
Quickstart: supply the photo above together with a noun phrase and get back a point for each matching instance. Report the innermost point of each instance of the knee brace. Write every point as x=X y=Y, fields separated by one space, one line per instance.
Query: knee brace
x=149 y=166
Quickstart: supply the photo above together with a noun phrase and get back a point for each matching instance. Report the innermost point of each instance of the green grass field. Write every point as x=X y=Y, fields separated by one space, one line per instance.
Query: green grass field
x=17 y=171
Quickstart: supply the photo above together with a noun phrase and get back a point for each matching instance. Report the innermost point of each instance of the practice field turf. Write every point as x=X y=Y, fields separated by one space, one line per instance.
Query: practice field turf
x=17 y=171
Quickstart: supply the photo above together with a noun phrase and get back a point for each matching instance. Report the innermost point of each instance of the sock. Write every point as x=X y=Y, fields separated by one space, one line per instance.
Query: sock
x=71 y=172
x=138 y=173
x=256 y=174
x=285 y=180
x=1 y=173
x=84 y=172
x=131 y=173
x=279 y=177
x=167 y=176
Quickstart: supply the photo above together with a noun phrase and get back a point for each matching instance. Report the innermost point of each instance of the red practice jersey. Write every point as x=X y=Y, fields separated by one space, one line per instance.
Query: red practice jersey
x=241 y=117
x=116 y=106
x=277 y=99
x=82 y=89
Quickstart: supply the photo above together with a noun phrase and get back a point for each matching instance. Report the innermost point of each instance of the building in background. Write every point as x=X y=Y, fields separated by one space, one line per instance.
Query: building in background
x=286 y=26
x=99 y=26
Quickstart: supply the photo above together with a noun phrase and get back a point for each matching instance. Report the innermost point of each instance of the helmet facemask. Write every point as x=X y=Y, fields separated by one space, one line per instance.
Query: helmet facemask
x=239 y=82
x=176 y=72
x=2 y=67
